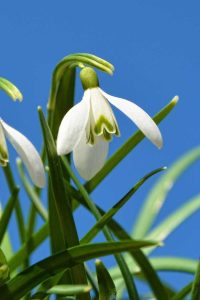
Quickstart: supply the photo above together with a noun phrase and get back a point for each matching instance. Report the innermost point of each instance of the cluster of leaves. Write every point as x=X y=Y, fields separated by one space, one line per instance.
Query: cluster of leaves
x=65 y=273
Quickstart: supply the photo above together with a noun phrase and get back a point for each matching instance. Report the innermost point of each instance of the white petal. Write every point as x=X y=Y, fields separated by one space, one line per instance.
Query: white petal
x=28 y=154
x=143 y=121
x=73 y=125
x=90 y=159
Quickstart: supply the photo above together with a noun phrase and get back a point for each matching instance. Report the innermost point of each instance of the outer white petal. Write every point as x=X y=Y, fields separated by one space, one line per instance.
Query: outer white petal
x=143 y=121
x=73 y=125
x=90 y=159
x=28 y=154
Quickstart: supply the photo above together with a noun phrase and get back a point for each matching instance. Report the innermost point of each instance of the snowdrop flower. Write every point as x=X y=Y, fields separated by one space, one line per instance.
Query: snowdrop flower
x=87 y=127
x=26 y=151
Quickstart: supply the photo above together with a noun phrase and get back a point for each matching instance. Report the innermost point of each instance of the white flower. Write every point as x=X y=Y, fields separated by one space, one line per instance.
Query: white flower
x=26 y=151
x=87 y=127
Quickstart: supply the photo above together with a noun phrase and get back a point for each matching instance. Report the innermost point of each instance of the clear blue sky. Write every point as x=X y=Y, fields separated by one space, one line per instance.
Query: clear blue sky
x=155 y=48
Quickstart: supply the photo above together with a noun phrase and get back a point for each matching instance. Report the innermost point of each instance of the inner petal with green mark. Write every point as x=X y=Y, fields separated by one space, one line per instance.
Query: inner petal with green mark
x=104 y=122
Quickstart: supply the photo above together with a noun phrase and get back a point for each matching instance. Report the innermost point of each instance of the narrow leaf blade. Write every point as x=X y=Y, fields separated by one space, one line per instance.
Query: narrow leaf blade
x=159 y=192
x=107 y=289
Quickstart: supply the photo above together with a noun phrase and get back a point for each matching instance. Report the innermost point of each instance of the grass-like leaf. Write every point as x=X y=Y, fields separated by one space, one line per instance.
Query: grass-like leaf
x=10 y=89
x=20 y=218
x=183 y=292
x=138 y=256
x=127 y=147
x=6 y=215
x=158 y=194
x=175 y=219
x=169 y=264
x=28 y=247
x=32 y=276
x=108 y=215
x=195 y=294
x=4 y=269
x=107 y=289
x=176 y=264
x=59 y=194
x=131 y=289
x=64 y=98
x=62 y=226
x=69 y=290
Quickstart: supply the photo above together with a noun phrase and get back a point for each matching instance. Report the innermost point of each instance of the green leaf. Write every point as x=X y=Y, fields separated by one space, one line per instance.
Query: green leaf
x=6 y=215
x=69 y=290
x=4 y=269
x=107 y=289
x=175 y=219
x=10 y=89
x=6 y=245
x=138 y=256
x=62 y=227
x=172 y=222
x=158 y=194
x=63 y=290
x=126 y=148
x=195 y=294
x=61 y=198
x=108 y=215
x=176 y=264
x=183 y=293
x=32 y=276
x=170 y=264
x=12 y=185
x=64 y=98
x=92 y=281
x=131 y=289
x=28 y=247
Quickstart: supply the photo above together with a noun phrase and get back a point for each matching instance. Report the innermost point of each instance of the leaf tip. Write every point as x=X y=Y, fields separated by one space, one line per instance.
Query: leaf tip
x=175 y=100
x=39 y=108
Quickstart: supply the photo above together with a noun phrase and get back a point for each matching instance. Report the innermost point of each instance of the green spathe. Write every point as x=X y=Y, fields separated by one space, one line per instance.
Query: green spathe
x=89 y=78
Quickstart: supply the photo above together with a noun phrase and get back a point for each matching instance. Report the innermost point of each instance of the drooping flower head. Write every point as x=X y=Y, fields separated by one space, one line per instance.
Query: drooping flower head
x=87 y=127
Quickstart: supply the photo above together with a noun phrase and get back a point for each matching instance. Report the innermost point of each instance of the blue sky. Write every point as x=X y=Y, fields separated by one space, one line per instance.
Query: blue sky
x=154 y=46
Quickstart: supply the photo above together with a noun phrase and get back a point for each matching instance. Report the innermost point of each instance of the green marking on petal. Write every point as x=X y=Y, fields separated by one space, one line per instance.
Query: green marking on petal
x=103 y=123
x=117 y=132
x=91 y=138
x=107 y=136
